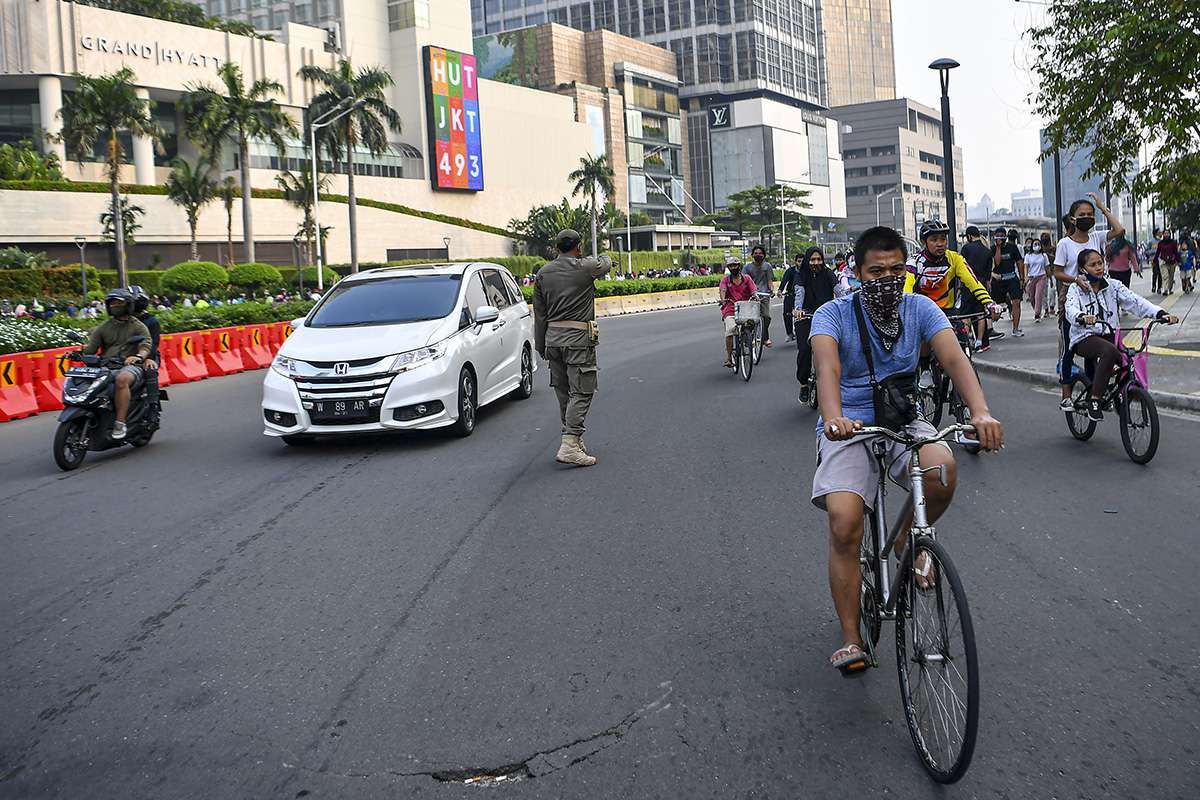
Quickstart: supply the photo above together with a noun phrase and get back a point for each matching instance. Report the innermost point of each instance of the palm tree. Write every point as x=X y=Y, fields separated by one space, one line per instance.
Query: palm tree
x=98 y=111
x=236 y=112
x=191 y=189
x=297 y=188
x=227 y=191
x=594 y=175
x=365 y=126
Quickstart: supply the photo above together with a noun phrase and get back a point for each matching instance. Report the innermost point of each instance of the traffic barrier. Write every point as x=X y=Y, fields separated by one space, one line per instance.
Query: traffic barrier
x=17 y=398
x=220 y=352
x=49 y=372
x=181 y=353
x=274 y=336
x=252 y=341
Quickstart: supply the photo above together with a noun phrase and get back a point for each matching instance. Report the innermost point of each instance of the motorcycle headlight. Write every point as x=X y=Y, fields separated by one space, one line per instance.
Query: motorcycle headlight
x=284 y=366
x=415 y=358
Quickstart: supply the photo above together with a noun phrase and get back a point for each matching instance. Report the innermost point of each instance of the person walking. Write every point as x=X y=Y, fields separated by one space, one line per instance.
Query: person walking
x=1122 y=260
x=1168 y=259
x=1036 y=263
x=787 y=288
x=565 y=335
x=762 y=274
x=1152 y=257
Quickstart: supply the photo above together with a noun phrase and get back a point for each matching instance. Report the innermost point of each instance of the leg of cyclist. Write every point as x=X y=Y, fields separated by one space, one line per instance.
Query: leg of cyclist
x=937 y=496
x=1107 y=356
x=803 y=357
x=845 y=537
x=789 y=322
x=729 y=328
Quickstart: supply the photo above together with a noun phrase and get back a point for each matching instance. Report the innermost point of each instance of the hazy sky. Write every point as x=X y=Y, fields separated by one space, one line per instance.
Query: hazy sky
x=994 y=125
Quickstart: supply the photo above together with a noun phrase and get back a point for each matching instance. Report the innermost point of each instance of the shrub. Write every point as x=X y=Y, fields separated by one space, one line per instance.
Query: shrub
x=16 y=258
x=64 y=280
x=310 y=276
x=20 y=283
x=20 y=335
x=256 y=276
x=194 y=276
x=193 y=319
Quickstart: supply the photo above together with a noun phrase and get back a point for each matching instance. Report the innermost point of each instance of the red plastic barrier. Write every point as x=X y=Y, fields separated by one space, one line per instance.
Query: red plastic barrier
x=285 y=330
x=181 y=353
x=49 y=372
x=17 y=398
x=253 y=343
x=221 y=356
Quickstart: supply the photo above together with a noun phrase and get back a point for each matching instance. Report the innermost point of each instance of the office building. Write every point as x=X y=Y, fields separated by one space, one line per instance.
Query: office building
x=895 y=167
x=1073 y=165
x=476 y=162
x=1026 y=203
x=860 y=61
x=751 y=81
x=627 y=93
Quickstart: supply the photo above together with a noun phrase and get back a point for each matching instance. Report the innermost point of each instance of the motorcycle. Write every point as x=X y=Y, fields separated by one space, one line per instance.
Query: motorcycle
x=88 y=413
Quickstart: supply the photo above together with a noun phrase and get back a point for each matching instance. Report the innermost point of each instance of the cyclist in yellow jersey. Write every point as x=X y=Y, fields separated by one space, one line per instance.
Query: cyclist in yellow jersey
x=942 y=275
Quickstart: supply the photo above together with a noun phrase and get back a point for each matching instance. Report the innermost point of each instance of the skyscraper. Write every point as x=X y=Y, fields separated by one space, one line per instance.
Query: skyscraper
x=751 y=79
x=860 y=61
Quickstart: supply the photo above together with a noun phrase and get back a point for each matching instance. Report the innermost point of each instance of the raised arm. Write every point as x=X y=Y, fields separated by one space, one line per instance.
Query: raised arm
x=1115 y=228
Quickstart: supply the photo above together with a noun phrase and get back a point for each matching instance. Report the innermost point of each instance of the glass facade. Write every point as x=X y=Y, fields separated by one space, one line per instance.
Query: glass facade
x=859 y=53
x=722 y=46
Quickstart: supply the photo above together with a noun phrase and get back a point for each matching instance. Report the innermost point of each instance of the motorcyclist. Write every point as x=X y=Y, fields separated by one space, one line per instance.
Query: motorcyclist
x=112 y=339
x=141 y=310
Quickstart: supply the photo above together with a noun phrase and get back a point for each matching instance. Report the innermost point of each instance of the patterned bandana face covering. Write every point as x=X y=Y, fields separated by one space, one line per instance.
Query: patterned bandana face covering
x=881 y=298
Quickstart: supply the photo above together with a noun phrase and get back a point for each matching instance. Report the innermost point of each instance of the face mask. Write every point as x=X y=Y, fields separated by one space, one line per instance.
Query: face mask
x=882 y=297
x=1035 y=247
x=1093 y=278
x=1084 y=223
x=735 y=271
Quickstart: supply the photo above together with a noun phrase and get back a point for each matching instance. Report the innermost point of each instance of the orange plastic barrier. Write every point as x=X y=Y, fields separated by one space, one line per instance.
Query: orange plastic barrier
x=17 y=398
x=274 y=336
x=255 y=350
x=221 y=356
x=49 y=372
x=181 y=354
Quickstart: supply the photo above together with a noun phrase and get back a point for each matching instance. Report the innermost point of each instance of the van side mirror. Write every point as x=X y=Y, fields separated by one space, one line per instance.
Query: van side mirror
x=486 y=314
x=297 y=323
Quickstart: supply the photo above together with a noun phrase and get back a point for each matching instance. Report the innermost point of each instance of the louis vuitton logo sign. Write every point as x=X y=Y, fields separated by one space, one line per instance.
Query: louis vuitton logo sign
x=150 y=51
x=719 y=116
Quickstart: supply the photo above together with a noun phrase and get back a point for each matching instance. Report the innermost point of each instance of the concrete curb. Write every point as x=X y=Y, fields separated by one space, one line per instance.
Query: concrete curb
x=619 y=305
x=1179 y=402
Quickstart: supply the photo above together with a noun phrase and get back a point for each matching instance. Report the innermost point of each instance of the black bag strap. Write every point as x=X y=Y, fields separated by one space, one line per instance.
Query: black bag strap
x=864 y=338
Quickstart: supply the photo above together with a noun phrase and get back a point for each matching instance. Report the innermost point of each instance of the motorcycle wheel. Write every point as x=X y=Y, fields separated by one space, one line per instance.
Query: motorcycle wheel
x=68 y=453
x=142 y=440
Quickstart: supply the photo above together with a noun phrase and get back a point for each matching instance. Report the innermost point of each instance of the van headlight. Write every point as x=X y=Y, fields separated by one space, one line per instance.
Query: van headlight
x=284 y=366
x=415 y=358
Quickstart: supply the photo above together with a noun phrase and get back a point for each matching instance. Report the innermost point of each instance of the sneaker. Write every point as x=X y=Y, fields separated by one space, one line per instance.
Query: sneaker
x=984 y=348
x=996 y=336
x=791 y=338
x=1036 y=320
x=1067 y=404
x=1094 y=412
x=803 y=398
x=118 y=431
x=1018 y=333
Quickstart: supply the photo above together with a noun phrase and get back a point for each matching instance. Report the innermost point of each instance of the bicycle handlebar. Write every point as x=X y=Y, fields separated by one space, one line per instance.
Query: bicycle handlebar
x=913 y=441
x=1145 y=334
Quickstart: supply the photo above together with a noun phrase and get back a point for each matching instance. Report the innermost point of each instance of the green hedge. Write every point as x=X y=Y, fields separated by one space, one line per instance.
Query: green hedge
x=310 y=276
x=645 y=286
x=179 y=319
x=195 y=276
x=255 y=276
x=57 y=281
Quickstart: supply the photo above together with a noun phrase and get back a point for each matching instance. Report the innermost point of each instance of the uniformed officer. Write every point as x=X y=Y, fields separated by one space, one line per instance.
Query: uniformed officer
x=565 y=334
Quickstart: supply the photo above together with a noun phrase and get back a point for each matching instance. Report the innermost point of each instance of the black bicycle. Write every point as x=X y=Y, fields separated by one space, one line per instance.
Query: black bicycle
x=764 y=299
x=1128 y=392
x=938 y=393
x=812 y=371
x=746 y=332
x=935 y=640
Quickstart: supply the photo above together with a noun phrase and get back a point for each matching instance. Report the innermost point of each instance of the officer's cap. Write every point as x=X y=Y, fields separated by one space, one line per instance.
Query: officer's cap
x=567 y=240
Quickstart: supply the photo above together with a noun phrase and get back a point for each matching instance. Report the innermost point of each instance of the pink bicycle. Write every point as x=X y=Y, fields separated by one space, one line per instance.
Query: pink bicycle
x=1128 y=393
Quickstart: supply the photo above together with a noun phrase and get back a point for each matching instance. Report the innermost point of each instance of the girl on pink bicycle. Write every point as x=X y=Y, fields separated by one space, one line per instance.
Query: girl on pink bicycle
x=1095 y=311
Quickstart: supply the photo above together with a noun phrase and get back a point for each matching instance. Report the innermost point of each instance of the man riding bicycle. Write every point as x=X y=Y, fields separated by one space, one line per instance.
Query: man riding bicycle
x=939 y=274
x=734 y=288
x=897 y=326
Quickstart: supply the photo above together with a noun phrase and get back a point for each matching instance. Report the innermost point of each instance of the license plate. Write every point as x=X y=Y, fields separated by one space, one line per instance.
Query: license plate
x=83 y=372
x=341 y=409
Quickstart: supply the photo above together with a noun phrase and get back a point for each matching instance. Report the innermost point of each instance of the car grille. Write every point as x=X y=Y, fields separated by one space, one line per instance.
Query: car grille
x=353 y=363
x=373 y=386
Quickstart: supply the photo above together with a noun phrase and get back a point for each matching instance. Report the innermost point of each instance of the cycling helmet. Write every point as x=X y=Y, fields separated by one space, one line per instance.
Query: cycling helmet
x=118 y=295
x=931 y=226
x=141 y=300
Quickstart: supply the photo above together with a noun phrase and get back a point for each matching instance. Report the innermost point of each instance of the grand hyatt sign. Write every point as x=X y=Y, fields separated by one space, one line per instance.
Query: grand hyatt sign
x=150 y=51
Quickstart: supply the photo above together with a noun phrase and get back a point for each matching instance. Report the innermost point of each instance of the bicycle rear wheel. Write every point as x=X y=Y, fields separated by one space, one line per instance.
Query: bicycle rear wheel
x=1081 y=426
x=758 y=342
x=746 y=357
x=933 y=398
x=962 y=414
x=938 y=666
x=1139 y=425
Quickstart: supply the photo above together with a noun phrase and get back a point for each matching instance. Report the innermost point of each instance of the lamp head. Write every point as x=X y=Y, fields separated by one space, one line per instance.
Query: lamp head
x=80 y=241
x=944 y=63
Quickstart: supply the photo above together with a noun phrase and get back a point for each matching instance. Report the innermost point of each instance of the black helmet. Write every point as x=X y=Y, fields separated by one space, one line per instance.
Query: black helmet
x=931 y=226
x=141 y=300
x=118 y=295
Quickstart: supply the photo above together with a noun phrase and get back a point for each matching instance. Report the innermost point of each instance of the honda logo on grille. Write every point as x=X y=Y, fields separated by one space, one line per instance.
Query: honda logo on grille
x=341 y=368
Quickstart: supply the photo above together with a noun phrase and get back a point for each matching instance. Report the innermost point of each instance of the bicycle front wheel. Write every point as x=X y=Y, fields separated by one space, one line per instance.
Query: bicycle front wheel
x=938 y=666
x=746 y=361
x=758 y=342
x=1139 y=425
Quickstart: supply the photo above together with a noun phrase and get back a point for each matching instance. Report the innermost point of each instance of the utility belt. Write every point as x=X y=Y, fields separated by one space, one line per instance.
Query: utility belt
x=591 y=327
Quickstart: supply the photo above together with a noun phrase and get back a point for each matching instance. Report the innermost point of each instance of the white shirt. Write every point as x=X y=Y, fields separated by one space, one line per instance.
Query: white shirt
x=1036 y=263
x=1067 y=253
x=1106 y=304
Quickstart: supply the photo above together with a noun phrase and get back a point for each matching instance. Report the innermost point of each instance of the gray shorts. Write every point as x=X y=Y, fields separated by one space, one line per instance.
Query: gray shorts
x=138 y=373
x=848 y=466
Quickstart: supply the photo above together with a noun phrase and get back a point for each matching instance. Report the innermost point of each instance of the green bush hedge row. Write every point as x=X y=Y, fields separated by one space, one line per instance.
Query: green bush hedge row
x=644 y=286
x=65 y=281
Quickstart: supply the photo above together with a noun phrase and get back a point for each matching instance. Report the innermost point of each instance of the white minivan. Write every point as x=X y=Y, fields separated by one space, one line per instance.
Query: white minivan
x=402 y=348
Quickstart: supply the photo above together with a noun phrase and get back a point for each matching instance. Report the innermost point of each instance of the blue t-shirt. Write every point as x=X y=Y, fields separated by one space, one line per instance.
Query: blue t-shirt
x=921 y=319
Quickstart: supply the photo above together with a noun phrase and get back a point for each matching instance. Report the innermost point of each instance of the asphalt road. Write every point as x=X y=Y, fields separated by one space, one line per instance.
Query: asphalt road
x=220 y=616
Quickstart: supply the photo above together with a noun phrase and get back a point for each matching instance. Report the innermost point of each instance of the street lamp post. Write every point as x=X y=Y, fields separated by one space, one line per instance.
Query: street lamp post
x=446 y=241
x=879 y=197
x=81 y=243
x=328 y=118
x=943 y=67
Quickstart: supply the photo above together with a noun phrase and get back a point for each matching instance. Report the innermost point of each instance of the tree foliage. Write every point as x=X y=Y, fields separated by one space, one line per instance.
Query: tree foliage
x=541 y=226
x=180 y=11
x=752 y=209
x=24 y=162
x=1113 y=76
x=195 y=276
x=191 y=188
x=594 y=177
x=131 y=215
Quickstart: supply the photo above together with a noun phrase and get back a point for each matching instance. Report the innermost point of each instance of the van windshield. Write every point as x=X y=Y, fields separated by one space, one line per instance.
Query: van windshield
x=387 y=301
